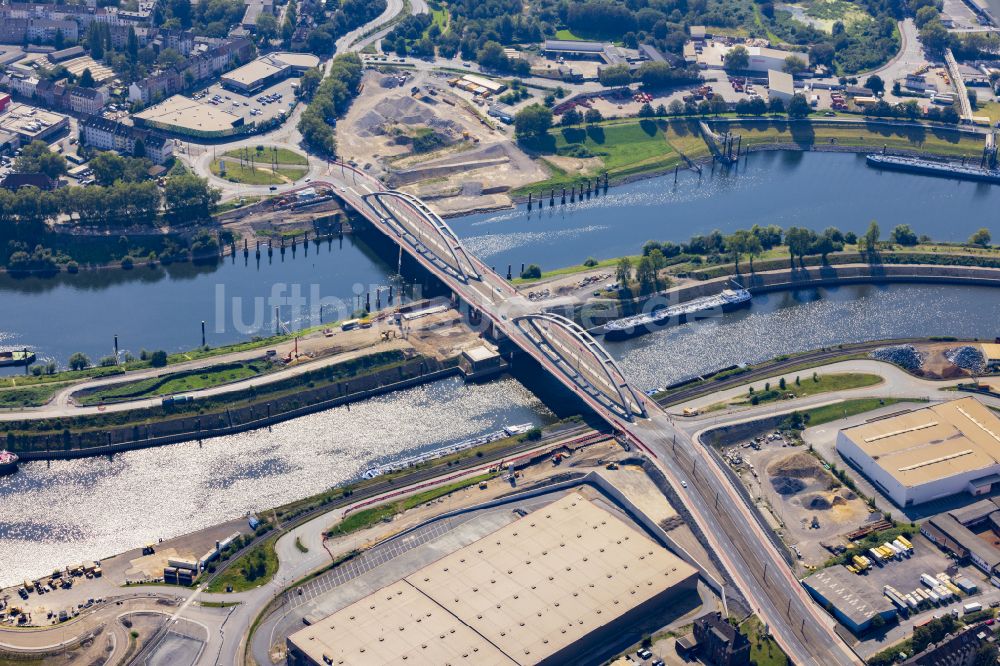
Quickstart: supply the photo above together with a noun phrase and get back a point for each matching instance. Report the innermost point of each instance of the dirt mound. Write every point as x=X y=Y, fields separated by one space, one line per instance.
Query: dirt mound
x=799 y=465
x=787 y=485
x=823 y=501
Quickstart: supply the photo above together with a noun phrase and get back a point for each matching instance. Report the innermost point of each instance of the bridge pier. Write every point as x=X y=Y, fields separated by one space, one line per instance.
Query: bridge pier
x=529 y=200
x=552 y=197
x=564 y=196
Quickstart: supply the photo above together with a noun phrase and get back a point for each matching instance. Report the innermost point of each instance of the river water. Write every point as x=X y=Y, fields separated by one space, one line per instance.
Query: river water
x=55 y=514
x=51 y=515
x=814 y=190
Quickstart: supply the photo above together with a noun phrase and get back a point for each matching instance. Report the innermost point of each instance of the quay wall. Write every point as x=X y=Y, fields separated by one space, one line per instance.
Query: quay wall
x=53 y=444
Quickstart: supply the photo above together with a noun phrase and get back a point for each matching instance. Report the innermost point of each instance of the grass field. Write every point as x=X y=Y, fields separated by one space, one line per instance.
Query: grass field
x=269 y=154
x=934 y=140
x=258 y=175
x=619 y=148
x=28 y=396
x=368 y=517
x=764 y=650
x=810 y=386
x=243 y=574
x=158 y=386
x=841 y=410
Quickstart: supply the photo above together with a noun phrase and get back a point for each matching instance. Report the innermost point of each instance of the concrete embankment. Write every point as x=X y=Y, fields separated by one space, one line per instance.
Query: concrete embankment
x=63 y=438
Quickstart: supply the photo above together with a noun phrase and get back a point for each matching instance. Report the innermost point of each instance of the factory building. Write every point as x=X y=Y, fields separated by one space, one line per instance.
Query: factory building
x=929 y=453
x=566 y=583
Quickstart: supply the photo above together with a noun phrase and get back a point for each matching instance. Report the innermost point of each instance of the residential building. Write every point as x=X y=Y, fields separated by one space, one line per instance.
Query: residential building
x=719 y=643
x=954 y=650
x=85 y=100
x=104 y=134
x=197 y=68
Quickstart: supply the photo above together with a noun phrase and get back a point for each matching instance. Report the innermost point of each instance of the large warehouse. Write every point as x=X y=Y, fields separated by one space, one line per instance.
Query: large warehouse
x=561 y=584
x=928 y=453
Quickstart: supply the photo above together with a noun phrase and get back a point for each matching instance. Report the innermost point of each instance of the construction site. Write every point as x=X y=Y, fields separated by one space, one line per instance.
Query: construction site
x=423 y=136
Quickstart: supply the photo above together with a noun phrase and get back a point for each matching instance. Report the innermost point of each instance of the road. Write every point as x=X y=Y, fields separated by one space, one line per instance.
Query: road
x=732 y=529
x=909 y=58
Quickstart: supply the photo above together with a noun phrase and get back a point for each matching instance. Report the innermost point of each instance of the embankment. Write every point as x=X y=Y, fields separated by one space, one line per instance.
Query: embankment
x=78 y=437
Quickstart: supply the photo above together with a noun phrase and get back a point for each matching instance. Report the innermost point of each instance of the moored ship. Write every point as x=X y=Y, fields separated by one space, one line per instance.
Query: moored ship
x=728 y=299
x=8 y=462
x=22 y=357
x=933 y=168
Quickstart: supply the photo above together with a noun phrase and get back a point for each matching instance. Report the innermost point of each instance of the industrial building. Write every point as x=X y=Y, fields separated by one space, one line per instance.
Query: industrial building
x=562 y=584
x=29 y=123
x=928 y=453
x=780 y=85
x=580 y=50
x=852 y=599
x=267 y=70
x=951 y=535
x=991 y=355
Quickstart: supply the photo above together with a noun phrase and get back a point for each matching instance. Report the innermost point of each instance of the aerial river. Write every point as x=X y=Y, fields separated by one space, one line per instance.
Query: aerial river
x=53 y=514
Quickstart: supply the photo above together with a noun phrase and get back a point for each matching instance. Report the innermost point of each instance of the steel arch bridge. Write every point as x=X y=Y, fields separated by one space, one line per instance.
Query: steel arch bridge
x=583 y=360
x=434 y=238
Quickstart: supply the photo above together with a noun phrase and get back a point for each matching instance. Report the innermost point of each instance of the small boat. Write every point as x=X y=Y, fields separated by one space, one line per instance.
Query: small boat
x=8 y=462
x=23 y=357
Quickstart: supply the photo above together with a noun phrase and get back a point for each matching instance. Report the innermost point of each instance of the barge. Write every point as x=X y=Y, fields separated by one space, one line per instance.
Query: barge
x=23 y=357
x=627 y=327
x=508 y=431
x=932 y=168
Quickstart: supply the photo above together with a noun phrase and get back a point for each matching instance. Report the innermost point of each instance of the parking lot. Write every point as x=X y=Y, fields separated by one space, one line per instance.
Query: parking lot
x=904 y=575
x=260 y=107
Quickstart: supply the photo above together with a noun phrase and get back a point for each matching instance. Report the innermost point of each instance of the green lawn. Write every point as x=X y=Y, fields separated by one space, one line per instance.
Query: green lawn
x=254 y=568
x=173 y=384
x=368 y=517
x=259 y=174
x=579 y=268
x=841 y=410
x=268 y=155
x=28 y=396
x=933 y=140
x=809 y=385
x=764 y=650
x=568 y=34
x=619 y=148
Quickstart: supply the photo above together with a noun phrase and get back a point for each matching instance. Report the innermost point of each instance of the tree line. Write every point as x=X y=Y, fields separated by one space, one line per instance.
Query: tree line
x=329 y=101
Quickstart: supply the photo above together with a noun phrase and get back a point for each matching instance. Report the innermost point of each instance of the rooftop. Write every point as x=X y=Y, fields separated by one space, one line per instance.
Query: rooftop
x=255 y=71
x=932 y=443
x=518 y=595
x=852 y=596
x=781 y=82
x=298 y=60
x=184 y=112
x=574 y=45
x=29 y=120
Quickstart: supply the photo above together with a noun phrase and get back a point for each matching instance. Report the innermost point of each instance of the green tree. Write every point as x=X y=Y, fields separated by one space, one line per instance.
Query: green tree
x=158 y=359
x=645 y=274
x=738 y=59
x=795 y=65
x=981 y=238
x=78 y=361
x=592 y=116
x=875 y=84
x=532 y=121
x=188 y=198
x=623 y=272
x=615 y=76
x=798 y=106
x=800 y=241
x=491 y=56
x=37 y=158
x=531 y=272
x=571 y=117
x=266 y=27
x=903 y=235
x=871 y=238
x=655 y=74
x=86 y=78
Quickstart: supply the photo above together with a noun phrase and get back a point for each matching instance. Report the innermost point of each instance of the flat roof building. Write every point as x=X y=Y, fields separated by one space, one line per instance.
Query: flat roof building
x=991 y=355
x=780 y=85
x=981 y=552
x=30 y=122
x=854 y=601
x=559 y=585
x=256 y=75
x=187 y=116
x=929 y=453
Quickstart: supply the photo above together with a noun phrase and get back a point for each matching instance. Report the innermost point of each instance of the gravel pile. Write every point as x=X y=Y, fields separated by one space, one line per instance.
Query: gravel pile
x=905 y=356
x=966 y=357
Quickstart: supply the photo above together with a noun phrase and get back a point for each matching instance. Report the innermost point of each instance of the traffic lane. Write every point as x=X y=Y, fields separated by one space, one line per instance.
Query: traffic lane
x=781 y=600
